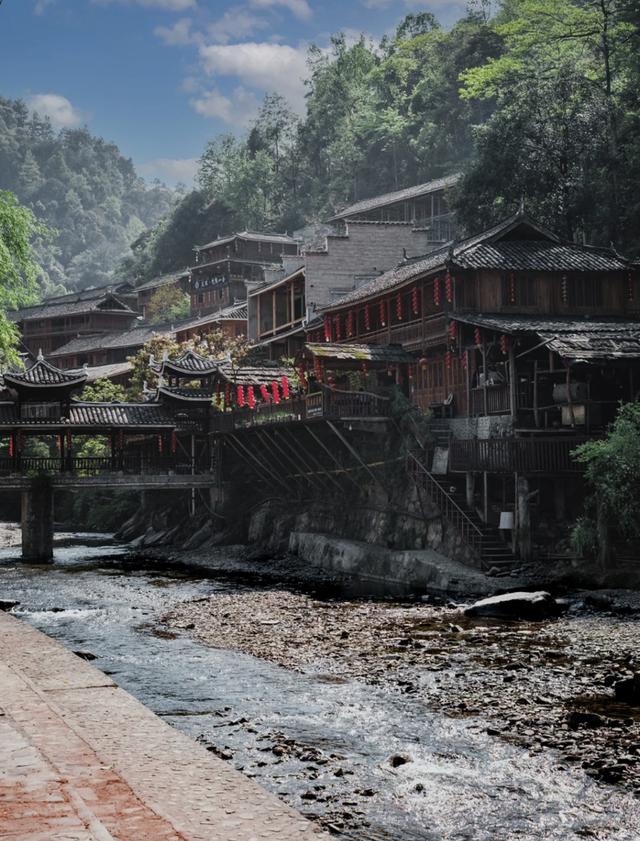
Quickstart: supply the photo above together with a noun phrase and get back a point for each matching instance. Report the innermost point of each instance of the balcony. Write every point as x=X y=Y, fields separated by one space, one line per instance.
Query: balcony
x=541 y=455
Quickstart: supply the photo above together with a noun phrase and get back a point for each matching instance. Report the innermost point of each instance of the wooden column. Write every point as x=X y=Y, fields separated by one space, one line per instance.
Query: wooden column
x=37 y=521
x=513 y=392
x=484 y=369
x=524 y=518
x=470 y=486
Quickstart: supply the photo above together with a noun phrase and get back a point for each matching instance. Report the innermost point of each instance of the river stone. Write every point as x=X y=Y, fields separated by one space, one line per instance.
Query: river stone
x=628 y=690
x=7 y=605
x=539 y=605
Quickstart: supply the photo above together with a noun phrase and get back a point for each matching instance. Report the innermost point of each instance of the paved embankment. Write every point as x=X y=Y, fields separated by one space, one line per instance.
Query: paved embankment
x=81 y=760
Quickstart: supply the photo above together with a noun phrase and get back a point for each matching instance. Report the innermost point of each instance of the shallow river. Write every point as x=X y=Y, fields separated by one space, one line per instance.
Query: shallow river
x=460 y=784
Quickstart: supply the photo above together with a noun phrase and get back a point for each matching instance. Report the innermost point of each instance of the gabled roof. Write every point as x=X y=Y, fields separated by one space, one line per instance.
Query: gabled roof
x=386 y=199
x=133 y=338
x=235 y=312
x=256 y=375
x=578 y=339
x=188 y=363
x=358 y=352
x=73 y=305
x=267 y=286
x=43 y=374
x=250 y=236
x=162 y=280
x=91 y=415
x=105 y=372
x=193 y=395
x=516 y=244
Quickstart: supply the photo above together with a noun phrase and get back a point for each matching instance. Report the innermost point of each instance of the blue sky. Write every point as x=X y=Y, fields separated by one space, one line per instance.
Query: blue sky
x=161 y=77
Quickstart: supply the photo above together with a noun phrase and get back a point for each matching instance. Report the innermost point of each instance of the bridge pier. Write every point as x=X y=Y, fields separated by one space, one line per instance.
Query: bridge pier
x=37 y=521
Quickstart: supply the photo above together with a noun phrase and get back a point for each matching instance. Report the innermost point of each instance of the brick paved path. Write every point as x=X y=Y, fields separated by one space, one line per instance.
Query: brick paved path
x=81 y=760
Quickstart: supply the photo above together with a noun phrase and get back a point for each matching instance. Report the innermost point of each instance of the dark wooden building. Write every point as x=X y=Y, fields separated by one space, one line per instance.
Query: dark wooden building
x=224 y=266
x=523 y=345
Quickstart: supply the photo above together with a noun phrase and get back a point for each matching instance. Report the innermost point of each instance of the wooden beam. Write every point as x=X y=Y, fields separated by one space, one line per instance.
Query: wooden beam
x=312 y=459
x=321 y=443
x=262 y=467
x=355 y=454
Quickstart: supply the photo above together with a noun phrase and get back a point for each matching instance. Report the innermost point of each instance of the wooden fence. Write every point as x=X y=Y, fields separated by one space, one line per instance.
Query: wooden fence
x=515 y=455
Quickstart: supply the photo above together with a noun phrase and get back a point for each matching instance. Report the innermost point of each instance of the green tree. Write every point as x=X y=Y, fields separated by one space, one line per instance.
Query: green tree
x=168 y=303
x=612 y=470
x=103 y=391
x=18 y=270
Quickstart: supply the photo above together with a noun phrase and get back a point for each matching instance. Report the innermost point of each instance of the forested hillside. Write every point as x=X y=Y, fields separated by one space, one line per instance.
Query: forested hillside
x=537 y=103
x=82 y=187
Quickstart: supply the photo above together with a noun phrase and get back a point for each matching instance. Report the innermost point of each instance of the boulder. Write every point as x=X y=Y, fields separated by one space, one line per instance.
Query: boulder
x=7 y=605
x=628 y=689
x=539 y=605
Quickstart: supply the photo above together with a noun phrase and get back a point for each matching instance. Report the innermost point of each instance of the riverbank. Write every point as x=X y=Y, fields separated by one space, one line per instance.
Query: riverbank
x=80 y=758
x=545 y=687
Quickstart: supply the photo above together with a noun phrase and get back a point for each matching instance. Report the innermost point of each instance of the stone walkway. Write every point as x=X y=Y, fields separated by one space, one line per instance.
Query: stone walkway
x=81 y=760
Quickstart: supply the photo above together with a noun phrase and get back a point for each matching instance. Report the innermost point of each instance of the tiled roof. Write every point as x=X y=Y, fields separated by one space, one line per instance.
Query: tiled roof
x=189 y=362
x=42 y=373
x=253 y=374
x=201 y=395
x=529 y=247
x=163 y=280
x=76 y=305
x=251 y=236
x=135 y=337
x=538 y=255
x=105 y=372
x=118 y=414
x=236 y=312
x=278 y=281
x=399 y=195
x=361 y=353
x=576 y=339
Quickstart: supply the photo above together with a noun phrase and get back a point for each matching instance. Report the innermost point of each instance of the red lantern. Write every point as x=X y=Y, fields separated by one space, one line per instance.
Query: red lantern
x=477 y=337
x=350 y=321
x=338 y=327
x=327 y=328
x=264 y=393
x=285 y=388
x=274 y=391
x=218 y=395
x=240 y=396
x=399 y=307
x=512 y=288
x=251 y=398
x=453 y=331
x=227 y=396
x=174 y=441
x=317 y=369
x=11 y=446
x=448 y=359
x=382 y=311
x=448 y=287
x=465 y=360
x=504 y=345
x=423 y=363
x=160 y=444
x=367 y=318
x=436 y=291
x=630 y=287
x=414 y=301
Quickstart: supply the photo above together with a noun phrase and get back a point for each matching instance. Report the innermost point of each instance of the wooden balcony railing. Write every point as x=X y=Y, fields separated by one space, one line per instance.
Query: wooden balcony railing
x=498 y=400
x=515 y=455
x=328 y=403
x=128 y=463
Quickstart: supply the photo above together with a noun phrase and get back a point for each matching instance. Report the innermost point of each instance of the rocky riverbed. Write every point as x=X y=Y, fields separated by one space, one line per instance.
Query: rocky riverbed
x=544 y=686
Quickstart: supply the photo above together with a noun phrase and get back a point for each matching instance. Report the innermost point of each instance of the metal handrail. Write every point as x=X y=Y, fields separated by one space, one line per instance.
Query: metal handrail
x=456 y=516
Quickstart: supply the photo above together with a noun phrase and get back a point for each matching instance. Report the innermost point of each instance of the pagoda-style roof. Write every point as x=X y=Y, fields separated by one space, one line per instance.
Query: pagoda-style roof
x=252 y=374
x=190 y=395
x=43 y=374
x=188 y=364
x=385 y=354
x=93 y=416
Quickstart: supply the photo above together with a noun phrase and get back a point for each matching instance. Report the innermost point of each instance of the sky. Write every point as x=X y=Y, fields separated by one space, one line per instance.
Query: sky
x=162 y=77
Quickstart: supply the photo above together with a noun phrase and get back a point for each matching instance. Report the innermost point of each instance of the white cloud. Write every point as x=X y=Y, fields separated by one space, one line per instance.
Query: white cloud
x=235 y=23
x=168 y=5
x=58 y=108
x=41 y=6
x=180 y=34
x=171 y=170
x=265 y=66
x=300 y=8
x=239 y=109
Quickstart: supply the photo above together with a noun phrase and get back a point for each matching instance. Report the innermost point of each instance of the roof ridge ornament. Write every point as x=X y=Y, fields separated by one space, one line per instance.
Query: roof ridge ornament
x=40 y=357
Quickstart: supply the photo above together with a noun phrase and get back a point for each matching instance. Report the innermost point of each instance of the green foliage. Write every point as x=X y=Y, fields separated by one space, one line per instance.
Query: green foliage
x=168 y=303
x=612 y=469
x=81 y=186
x=18 y=269
x=103 y=391
x=141 y=372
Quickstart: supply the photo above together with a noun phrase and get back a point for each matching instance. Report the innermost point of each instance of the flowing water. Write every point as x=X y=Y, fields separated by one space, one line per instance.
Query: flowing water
x=460 y=784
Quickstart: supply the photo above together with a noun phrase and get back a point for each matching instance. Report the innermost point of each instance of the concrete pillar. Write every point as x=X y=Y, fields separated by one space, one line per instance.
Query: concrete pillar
x=37 y=521
x=524 y=518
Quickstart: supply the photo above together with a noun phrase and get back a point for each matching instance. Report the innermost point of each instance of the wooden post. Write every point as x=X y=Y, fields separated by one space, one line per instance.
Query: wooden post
x=513 y=394
x=536 y=412
x=602 y=530
x=62 y=465
x=569 y=397
x=485 y=496
x=524 y=518
x=37 y=521
x=470 y=486
x=484 y=369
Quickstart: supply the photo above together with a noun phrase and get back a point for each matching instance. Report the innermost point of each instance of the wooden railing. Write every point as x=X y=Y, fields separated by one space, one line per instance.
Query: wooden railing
x=449 y=508
x=515 y=455
x=328 y=403
x=498 y=400
x=129 y=463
